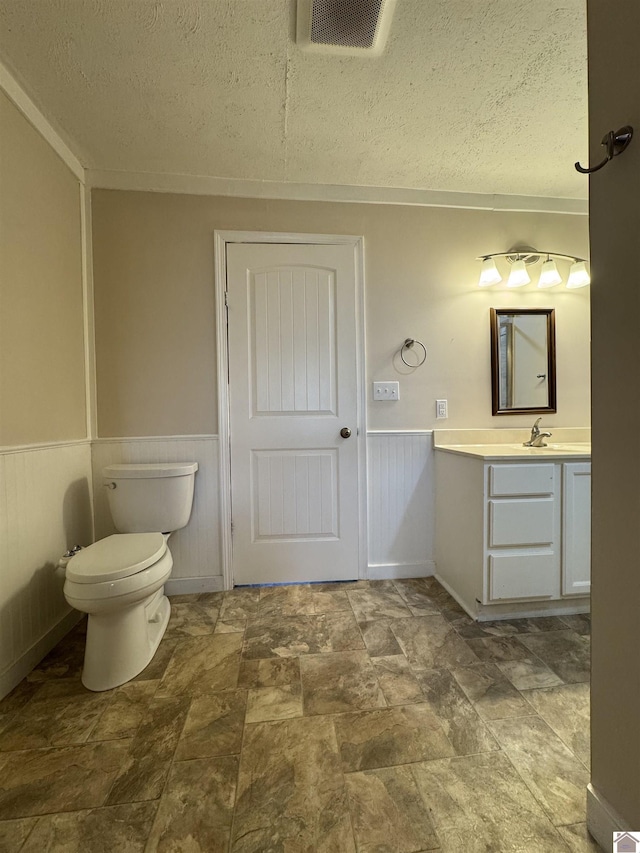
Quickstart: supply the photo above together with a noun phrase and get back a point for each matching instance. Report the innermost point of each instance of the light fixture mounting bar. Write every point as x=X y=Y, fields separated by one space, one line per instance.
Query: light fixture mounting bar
x=529 y=256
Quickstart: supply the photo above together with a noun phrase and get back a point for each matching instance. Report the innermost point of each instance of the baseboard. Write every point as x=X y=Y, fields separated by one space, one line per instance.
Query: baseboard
x=512 y=610
x=189 y=586
x=23 y=666
x=389 y=571
x=490 y=612
x=603 y=820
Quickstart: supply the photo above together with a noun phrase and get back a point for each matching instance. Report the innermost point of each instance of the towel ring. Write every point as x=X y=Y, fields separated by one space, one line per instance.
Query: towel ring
x=408 y=344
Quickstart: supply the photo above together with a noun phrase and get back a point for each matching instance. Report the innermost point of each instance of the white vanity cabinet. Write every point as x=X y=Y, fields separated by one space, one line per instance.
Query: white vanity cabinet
x=576 y=526
x=513 y=535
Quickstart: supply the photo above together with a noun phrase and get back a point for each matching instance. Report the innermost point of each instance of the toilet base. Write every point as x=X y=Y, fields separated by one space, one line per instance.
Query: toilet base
x=121 y=643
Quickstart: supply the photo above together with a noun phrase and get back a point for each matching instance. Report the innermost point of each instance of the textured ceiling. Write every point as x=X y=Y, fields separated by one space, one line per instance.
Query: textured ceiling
x=482 y=96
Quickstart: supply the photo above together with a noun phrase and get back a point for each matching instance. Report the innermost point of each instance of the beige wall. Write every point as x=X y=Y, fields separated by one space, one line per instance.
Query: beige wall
x=614 y=99
x=45 y=504
x=155 y=335
x=42 y=386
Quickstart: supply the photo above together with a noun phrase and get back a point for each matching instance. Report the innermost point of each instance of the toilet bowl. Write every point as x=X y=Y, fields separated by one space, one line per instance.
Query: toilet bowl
x=119 y=581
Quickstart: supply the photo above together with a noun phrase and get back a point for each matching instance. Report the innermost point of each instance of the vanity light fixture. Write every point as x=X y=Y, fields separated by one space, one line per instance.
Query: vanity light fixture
x=549 y=275
x=518 y=276
x=489 y=273
x=521 y=257
x=578 y=275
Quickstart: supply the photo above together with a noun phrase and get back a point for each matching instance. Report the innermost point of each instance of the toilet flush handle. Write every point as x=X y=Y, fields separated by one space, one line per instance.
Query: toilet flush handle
x=110 y=485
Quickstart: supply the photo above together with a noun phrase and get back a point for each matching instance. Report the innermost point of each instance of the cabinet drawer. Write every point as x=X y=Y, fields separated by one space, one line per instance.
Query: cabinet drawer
x=534 y=479
x=528 y=522
x=523 y=576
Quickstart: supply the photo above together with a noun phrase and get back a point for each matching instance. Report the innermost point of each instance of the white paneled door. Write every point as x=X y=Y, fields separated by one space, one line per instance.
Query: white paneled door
x=293 y=392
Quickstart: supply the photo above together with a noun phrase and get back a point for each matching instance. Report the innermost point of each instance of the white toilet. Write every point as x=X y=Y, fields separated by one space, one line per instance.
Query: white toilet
x=119 y=581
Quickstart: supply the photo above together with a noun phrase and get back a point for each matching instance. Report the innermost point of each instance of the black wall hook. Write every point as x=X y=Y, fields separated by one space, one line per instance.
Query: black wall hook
x=616 y=143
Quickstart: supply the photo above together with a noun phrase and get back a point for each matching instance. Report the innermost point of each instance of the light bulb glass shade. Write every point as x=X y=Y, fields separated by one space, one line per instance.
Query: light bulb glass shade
x=549 y=275
x=489 y=273
x=578 y=275
x=518 y=275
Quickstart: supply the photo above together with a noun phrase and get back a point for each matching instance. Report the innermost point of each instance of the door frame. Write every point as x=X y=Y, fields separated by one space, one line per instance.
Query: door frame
x=221 y=240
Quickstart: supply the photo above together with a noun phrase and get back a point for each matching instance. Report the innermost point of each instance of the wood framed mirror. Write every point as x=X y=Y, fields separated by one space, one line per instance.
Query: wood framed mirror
x=523 y=361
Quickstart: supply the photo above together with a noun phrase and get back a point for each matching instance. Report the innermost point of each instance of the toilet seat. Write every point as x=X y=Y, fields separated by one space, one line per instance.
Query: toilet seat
x=110 y=594
x=116 y=557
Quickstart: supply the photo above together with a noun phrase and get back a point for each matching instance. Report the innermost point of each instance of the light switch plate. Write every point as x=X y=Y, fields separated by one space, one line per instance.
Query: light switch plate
x=386 y=391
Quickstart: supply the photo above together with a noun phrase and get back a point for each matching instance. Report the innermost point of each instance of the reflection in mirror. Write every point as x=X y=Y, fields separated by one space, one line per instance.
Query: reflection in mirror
x=523 y=360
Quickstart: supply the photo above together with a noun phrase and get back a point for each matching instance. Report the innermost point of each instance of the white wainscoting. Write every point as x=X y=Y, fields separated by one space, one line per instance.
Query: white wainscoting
x=401 y=506
x=45 y=508
x=400 y=501
x=197 y=565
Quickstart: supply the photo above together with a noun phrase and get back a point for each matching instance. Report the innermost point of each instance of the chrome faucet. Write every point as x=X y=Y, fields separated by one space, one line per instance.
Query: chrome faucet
x=537 y=437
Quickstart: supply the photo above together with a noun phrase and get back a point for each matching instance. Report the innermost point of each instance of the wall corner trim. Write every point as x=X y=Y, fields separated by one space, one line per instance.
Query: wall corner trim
x=91 y=403
x=30 y=111
x=602 y=819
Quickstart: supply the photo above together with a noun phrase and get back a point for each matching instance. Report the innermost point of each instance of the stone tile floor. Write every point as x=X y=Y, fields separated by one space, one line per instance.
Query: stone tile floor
x=370 y=716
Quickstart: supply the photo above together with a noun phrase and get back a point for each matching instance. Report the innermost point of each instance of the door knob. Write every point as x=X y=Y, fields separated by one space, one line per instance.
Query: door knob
x=345 y=432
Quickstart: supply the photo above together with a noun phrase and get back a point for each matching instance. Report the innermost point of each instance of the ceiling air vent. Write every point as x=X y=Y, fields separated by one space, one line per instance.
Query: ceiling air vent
x=355 y=27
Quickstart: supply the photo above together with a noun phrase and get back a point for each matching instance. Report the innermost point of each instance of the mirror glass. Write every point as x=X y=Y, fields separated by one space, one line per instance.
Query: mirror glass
x=523 y=360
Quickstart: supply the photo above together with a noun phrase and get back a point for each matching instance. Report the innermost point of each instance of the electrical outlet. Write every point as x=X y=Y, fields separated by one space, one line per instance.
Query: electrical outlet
x=386 y=391
x=442 y=409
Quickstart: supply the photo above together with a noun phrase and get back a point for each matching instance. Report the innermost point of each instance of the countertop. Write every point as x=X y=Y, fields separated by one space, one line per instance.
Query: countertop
x=576 y=451
x=565 y=443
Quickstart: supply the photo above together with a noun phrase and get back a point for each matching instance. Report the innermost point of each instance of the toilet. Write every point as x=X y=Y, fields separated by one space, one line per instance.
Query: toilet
x=119 y=581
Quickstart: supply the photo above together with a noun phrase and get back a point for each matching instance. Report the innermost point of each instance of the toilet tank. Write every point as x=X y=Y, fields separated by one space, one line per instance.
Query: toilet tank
x=150 y=498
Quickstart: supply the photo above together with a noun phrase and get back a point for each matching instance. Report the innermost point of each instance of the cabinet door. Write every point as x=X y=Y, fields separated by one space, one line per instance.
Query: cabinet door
x=576 y=519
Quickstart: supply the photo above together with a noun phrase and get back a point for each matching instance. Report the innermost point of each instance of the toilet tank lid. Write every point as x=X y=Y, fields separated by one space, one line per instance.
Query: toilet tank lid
x=115 y=557
x=150 y=469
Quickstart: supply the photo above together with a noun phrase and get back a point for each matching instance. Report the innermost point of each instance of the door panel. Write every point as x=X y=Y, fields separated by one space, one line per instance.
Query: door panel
x=293 y=384
x=293 y=343
x=295 y=494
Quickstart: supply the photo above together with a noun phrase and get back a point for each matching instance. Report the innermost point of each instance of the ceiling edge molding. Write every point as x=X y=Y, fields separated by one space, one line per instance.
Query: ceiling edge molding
x=201 y=185
x=14 y=91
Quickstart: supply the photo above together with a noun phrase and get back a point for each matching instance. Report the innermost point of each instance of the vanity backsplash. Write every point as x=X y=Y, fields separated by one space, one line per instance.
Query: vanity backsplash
x=561 y=435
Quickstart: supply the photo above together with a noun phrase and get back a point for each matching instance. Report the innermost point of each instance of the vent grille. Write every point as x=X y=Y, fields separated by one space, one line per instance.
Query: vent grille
x=347 y=23
x=356 y=27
